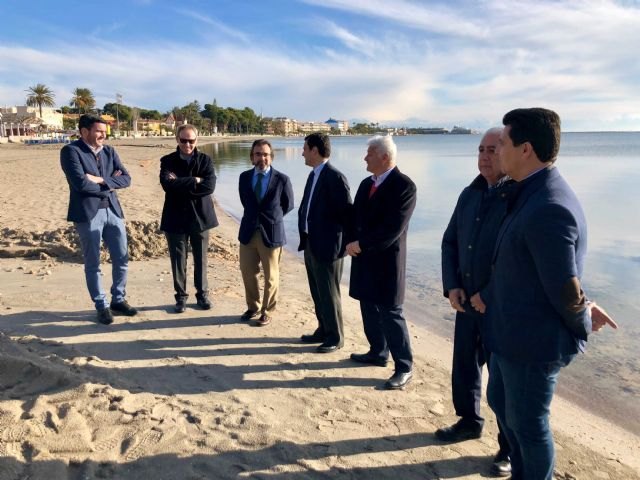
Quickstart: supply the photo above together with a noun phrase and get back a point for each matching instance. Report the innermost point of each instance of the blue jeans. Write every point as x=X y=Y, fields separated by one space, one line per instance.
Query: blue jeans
x=107 y=226
x=386 y=331
x=520 y=395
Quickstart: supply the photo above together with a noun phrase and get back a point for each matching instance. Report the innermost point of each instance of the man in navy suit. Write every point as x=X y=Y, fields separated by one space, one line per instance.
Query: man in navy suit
x=537 y=316
x=323 y=218
x=267 y=196
x=94 y=173
x=382 y=208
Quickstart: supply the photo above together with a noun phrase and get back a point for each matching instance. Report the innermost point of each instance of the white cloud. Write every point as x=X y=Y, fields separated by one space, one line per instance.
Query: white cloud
x=576 y=57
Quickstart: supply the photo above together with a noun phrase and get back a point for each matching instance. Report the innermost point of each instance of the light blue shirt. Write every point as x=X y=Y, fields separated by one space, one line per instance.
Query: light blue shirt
x=266 y=174
x=377 y=181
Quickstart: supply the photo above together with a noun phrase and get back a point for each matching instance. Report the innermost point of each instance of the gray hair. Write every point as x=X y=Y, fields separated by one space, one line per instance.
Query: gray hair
x=493 y=131
x=384 y=145
x=186 y=126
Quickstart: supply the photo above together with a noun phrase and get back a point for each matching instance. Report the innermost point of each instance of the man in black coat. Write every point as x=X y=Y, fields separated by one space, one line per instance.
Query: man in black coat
x=322 y=220
x=267 y=196
x=383 y=207
x=188 y=179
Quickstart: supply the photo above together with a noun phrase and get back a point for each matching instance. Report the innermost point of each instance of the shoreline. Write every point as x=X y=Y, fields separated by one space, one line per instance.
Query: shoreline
x=205 y=391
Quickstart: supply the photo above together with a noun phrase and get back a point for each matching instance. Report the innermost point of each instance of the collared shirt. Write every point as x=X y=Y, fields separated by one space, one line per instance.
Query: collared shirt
x=316 y=173
x=265 y=178
x=95 y=151
x=377 y=181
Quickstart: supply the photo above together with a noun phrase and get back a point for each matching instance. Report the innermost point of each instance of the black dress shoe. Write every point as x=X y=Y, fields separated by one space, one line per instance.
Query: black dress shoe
x=248 y=315
x=501 y=466
x=458 y=432
x=105 y=316
x=328 y=347
x=181 y=306
x=398 y=381
x=123 y=308
x=369 y=359
x=203 y=303
x=315 y=337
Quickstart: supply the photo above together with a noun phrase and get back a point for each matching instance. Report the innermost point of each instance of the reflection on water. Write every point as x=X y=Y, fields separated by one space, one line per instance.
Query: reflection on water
x=603 y=169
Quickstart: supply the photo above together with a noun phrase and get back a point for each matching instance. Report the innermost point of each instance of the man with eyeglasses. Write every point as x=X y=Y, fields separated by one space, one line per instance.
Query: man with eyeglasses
x=188 y=179
x=266 y=196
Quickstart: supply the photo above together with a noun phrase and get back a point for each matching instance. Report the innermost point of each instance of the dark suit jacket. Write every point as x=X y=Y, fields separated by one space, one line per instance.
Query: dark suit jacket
x=268 y=215
x=85 y=197
x=188 y=206
x=536 y=311
x=470 y=238
x=328 y=216
x=380 y=225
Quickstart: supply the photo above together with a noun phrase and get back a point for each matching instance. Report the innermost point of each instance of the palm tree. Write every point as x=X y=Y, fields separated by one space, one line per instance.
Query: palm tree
x=83 y=100
x=40 y=95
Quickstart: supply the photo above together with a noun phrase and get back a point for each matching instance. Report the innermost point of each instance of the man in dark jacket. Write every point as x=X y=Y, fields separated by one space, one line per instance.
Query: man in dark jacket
x=267 y=196
x=538 y=317
x=188 y=179
x=322 y=221
x=94 y=173
x=382 y=208
x=467 y=249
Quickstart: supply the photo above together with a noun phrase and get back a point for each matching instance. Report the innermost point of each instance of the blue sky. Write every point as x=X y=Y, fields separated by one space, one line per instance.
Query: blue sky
x=395 y=62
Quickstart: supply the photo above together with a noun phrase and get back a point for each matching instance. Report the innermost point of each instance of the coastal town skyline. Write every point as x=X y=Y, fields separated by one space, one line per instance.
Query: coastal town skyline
x=401 y=64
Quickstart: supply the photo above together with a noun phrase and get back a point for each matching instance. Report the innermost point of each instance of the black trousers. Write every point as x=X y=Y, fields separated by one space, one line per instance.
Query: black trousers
x=324 y=284
x=466 y=373
x=178 y=252
x=386 y=330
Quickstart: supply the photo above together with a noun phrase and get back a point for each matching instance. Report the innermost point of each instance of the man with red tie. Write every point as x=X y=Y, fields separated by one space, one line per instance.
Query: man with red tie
x=382 y=207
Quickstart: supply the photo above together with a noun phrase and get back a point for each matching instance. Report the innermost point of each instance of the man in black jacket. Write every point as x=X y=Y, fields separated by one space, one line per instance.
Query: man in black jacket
x=467 y=250
x=323 y=217
x=188 y=179
x=382 y=208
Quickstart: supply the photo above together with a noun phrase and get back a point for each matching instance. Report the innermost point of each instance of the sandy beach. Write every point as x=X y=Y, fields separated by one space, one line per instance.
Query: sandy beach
x=202 y=395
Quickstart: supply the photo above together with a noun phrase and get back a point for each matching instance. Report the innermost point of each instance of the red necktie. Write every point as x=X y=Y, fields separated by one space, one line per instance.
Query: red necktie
x=373 y=189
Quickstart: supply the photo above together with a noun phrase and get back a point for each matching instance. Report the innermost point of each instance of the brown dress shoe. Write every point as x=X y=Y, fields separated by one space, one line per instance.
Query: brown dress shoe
x=264 y=320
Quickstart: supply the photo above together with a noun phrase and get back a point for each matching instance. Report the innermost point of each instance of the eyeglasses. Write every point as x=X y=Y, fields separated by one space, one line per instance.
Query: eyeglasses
x=261 y=154
x=190 y=141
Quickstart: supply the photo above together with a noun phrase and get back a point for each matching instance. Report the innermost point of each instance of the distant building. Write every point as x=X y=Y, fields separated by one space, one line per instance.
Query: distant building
x=50 y=120
x=284 y=126
x=311 y=127
x=341 y=125
x=151 y=127
x=456 y=130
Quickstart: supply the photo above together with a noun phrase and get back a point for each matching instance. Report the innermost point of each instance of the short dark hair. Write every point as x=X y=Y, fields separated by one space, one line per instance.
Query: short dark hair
x=538 y=126
x=321 y=142
x=259 y=143
x=88 y=119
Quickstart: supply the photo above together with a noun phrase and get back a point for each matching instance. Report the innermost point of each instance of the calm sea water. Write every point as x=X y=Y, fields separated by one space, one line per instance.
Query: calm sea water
x=603 y=169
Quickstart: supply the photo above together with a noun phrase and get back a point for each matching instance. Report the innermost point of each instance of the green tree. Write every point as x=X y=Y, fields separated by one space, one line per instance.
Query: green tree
x=191 y=113
x=150 y=114
x=40 y=95
x=82 y=100
x=123 y=112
